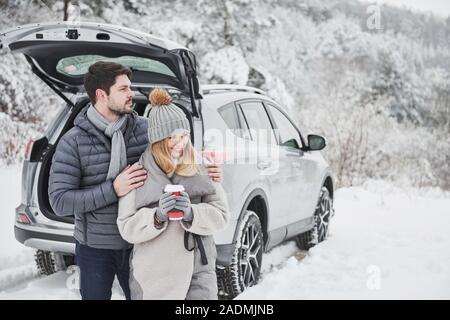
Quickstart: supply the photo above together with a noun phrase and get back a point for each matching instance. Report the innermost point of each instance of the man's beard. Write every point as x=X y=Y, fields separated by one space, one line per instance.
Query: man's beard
x=119 y=110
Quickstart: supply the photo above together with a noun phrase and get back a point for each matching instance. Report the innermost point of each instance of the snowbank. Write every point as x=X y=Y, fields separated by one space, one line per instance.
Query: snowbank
x=385 y=243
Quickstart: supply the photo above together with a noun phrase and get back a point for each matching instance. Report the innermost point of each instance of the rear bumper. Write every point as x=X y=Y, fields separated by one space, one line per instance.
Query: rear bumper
x=45 y=240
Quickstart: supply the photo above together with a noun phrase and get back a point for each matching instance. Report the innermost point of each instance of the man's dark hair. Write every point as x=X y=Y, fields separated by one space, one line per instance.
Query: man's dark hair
x=102 y=75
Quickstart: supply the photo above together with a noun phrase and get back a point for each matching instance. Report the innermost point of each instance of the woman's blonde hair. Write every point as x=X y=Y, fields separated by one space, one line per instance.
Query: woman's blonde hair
x=187 y=165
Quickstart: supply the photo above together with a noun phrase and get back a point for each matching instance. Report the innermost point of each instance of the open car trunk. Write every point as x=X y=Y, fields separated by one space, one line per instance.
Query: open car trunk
x=60 y=54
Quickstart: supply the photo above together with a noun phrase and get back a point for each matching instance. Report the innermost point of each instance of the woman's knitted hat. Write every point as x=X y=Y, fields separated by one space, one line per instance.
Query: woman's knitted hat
x=164 y=117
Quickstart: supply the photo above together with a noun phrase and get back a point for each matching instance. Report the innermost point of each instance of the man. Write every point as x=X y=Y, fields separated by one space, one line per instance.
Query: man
x=91 y=169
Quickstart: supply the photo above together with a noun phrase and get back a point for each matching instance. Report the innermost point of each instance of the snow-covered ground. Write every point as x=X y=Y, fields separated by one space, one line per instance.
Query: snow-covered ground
x=385 y=243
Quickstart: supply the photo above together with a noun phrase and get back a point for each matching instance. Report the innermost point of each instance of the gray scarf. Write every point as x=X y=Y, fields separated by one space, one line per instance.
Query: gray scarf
x=114 y=131
x=148 y=195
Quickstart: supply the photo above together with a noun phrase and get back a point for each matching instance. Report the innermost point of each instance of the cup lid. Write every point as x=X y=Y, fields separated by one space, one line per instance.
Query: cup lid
x=174 y=188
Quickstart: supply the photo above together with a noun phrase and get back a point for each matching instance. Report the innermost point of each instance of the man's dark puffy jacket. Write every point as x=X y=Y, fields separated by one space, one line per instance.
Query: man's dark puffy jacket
x=78 y=185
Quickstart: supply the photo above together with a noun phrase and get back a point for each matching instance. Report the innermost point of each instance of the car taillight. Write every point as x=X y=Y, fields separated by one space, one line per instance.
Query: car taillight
x=23 y=218
x=28 y=149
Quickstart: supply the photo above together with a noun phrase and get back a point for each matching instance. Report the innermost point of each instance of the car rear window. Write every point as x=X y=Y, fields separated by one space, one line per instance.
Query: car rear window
x=229 y=115
x=258 y=120
x=76 y=66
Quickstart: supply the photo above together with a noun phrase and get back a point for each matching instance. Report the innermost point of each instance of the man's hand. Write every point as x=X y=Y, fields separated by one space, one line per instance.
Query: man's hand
x=130 y=178
x=215 y=171
x=212 y=161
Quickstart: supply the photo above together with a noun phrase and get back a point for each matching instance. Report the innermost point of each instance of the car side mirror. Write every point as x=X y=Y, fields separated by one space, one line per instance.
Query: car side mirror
x=316 y=142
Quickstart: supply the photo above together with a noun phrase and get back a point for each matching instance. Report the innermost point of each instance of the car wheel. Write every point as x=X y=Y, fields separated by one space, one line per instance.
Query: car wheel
x=322 y=215
x=245 y=267
x=50 y=262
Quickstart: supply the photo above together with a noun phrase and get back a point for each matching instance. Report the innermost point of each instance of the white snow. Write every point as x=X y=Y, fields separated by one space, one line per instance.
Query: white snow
x=385 y=243
x=226 y=65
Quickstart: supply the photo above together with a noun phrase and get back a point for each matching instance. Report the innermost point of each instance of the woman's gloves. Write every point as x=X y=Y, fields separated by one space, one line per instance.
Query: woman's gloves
x=184 y=204
x=168 y=202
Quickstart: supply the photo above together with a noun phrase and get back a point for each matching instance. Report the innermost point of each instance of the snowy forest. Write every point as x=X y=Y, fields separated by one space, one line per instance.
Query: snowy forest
x=380 y=96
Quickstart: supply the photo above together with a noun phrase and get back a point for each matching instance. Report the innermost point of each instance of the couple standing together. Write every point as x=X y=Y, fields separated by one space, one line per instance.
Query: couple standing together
x=110 y=170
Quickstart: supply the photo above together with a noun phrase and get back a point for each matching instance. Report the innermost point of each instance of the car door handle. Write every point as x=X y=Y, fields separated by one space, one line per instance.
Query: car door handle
x=263 y=164
x=296 y=153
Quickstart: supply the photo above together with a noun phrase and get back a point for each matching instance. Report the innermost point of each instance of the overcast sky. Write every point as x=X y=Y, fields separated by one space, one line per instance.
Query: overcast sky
x=439 y=7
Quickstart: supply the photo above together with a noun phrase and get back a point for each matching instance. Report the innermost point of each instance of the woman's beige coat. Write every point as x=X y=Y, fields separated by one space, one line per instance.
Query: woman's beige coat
x=160 y=266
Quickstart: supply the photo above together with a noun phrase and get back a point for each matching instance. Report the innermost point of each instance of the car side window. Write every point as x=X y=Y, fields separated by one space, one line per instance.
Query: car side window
x=286 y=133
x=228 y=114
x=244 y=130
x=235 y=121
x=258 y=121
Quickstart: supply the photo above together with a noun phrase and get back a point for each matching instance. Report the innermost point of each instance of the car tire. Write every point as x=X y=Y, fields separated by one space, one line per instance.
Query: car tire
x=322 y=215
x=49 y=262
x=245 y=267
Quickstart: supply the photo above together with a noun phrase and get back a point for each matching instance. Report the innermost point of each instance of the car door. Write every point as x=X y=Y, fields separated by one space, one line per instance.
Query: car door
x=271 y=167
x=301 y=168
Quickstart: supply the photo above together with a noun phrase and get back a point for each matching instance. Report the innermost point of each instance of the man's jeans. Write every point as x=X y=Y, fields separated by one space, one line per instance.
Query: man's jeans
x=98 y=267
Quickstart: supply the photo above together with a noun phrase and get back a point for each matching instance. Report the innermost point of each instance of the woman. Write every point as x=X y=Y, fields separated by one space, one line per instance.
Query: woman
x=172 y=259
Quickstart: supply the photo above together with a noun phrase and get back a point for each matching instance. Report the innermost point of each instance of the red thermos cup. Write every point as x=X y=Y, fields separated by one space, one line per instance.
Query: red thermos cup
x=176 y=190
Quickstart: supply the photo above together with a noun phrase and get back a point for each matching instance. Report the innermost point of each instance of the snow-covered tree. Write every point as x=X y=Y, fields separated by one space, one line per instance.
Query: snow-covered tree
x=380 y=97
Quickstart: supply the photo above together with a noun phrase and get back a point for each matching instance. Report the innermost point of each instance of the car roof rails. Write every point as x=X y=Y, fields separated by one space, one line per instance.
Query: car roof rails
x=211 y=88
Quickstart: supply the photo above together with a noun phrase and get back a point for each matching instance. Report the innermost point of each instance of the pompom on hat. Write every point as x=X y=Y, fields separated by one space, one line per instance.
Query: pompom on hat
x=164 y=117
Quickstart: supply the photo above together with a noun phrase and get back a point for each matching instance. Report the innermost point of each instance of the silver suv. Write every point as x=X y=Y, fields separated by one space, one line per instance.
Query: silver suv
x=278 y=185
